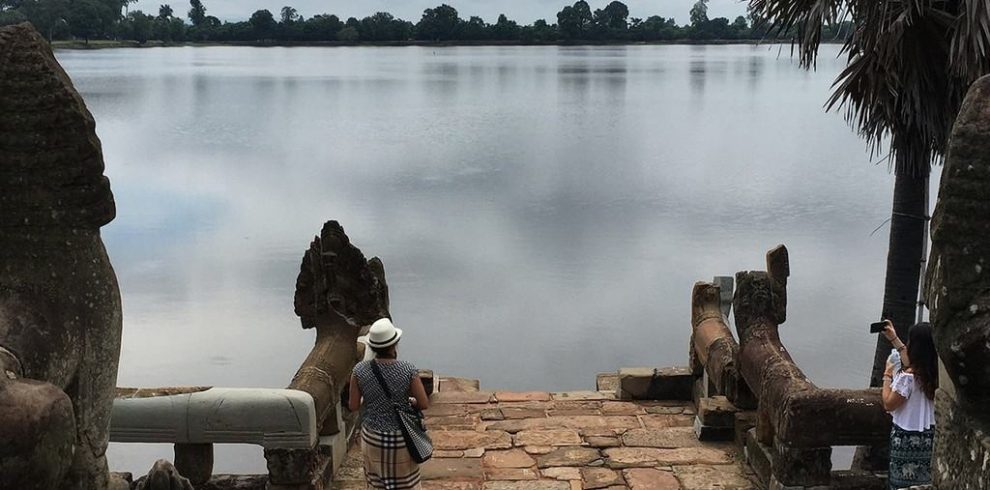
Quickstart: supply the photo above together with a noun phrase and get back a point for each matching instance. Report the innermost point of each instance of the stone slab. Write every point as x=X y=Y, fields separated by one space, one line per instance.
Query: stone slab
x=511 y=458
x=450 y=384
x=452 y=440
x=511 y=474
x=650 y=479
x=558 y=437
x=462 y=397
x=525 y=396
x=607 y=381
x=602 y=441
x=705 y=477
x=452 y=469
x=671 y=383
x=527 y=485
x=656 y=421
x=578 y=395
x=562 y=473
x=593 y=478
x=716 y=411
x=443 y=485
x=675 y=437
x=568 y=456
x=639 y=457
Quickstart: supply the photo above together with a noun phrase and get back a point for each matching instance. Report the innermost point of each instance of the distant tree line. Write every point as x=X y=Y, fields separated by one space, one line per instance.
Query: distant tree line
x=112 y=20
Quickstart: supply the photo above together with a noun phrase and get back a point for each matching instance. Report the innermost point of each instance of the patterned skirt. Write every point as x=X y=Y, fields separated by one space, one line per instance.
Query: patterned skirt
x=910 y=457
x=387 y=464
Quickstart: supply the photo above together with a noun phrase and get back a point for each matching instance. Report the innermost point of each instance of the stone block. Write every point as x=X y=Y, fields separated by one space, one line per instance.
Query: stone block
x=673 y=383
x=194 y=461
x=593 y=478
x=511 y=474
x=568 y=456
x=511 y=458
x=705 y=477
x=712 y=433
x=426 y=376
x=607 y=381
x=857 y=480
x=448 y=384
x=758 y=456
x=744 y=421
x=962 y=446
x=468 y=469
x=524 y=396
x=651 y=479
x=283 y=419
x=801 y=467
x=716 y=411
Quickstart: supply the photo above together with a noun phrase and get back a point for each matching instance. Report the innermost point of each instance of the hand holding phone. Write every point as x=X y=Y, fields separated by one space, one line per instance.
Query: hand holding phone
x=878 y=327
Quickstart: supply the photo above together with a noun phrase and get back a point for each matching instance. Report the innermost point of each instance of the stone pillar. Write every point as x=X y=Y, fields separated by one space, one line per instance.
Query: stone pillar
x=194 y=461
x=958 y=293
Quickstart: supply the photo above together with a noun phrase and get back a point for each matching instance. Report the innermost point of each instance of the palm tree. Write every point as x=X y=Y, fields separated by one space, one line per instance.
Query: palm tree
x=909 y=64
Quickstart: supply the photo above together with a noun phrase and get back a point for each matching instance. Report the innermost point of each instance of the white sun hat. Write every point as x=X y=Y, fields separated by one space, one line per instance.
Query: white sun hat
x=383 y=334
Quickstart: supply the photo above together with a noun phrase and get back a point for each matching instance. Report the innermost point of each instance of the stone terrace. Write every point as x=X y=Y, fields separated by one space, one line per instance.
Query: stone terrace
x=564 y=441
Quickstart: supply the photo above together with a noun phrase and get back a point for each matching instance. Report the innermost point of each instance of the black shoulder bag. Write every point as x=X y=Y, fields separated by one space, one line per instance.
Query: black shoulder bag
x=410 y=422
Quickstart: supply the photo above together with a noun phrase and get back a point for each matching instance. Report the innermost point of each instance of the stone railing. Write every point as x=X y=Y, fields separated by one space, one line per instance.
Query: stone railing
x=304 y=429
x=788 y=438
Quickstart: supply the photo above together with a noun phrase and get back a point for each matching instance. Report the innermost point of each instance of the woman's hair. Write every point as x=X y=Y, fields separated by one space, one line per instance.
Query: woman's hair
x=924 y=359
x=385 y=352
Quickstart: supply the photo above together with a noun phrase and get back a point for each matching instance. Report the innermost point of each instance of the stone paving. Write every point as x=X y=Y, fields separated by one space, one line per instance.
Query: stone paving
x=565 y=441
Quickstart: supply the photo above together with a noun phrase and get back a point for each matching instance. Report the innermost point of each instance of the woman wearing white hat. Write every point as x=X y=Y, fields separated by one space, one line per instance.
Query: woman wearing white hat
x=387 y=463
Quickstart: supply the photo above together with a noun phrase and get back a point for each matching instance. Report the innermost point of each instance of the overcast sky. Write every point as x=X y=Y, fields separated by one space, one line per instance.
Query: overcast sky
x=522 y=11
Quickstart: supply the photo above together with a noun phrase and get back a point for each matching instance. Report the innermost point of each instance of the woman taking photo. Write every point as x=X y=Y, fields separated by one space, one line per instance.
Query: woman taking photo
x=909 y=394
x=387 y=463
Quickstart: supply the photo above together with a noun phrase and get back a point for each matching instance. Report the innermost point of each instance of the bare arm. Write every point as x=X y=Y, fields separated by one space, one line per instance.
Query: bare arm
x=892 y=400
x=354 y=395
x=418 y=391
x=891 y=335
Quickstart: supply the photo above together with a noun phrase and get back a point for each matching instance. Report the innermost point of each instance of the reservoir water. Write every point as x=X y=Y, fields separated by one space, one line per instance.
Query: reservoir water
x=542 y=212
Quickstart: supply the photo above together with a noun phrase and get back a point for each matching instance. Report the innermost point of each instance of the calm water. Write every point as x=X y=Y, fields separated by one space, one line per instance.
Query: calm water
x=542 y=212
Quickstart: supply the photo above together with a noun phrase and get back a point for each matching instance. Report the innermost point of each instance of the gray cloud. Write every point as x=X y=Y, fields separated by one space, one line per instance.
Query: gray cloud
x=523 y=11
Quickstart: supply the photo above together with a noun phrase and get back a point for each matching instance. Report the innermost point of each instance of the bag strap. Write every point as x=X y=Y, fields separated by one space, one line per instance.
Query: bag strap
x=381 y=379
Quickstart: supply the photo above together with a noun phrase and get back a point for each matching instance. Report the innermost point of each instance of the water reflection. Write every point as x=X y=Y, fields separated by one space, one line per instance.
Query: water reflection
x=552 y=205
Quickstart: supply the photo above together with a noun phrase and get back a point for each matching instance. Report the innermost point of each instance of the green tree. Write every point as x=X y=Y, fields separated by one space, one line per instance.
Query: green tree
x=289 y=15
x=699 y=13
x=197 y=12
x=575 y=21
x=89 y=18
x=909 y=65
x=46 y=15
x=140 y=26
x=474 y=29
x=438 y=24
x=505 y=29
x=348 y=34
x=614 y=16
x=263 y=24
x=322 y=27
x=165 y=12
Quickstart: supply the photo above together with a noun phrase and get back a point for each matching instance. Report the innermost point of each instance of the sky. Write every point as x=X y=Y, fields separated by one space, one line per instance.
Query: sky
x=522 y=11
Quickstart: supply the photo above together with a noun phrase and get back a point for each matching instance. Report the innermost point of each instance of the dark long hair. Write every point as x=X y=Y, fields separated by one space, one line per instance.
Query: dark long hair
x=924 y=359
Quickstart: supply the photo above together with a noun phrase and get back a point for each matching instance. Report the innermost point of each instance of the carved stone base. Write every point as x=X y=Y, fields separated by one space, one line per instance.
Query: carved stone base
x=962 y=455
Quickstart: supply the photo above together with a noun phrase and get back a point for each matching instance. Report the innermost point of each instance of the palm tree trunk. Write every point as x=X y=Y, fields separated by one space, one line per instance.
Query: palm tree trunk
x=908 y=222
x=904 y=256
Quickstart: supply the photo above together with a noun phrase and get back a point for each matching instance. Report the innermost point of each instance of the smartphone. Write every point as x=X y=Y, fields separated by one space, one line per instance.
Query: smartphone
x=878 y=327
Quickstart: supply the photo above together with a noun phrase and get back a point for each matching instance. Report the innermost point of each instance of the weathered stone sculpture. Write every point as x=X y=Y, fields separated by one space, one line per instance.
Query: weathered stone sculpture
x=713 y=346
x=958 y=293
x=797 y=419
x=60 y=317
x=338 y=293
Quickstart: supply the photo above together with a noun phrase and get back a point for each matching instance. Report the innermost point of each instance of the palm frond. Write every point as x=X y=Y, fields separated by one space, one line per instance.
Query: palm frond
x=909 y=64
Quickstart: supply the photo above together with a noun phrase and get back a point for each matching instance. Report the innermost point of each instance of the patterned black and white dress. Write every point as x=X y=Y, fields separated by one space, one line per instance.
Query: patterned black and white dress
x=387 y=464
